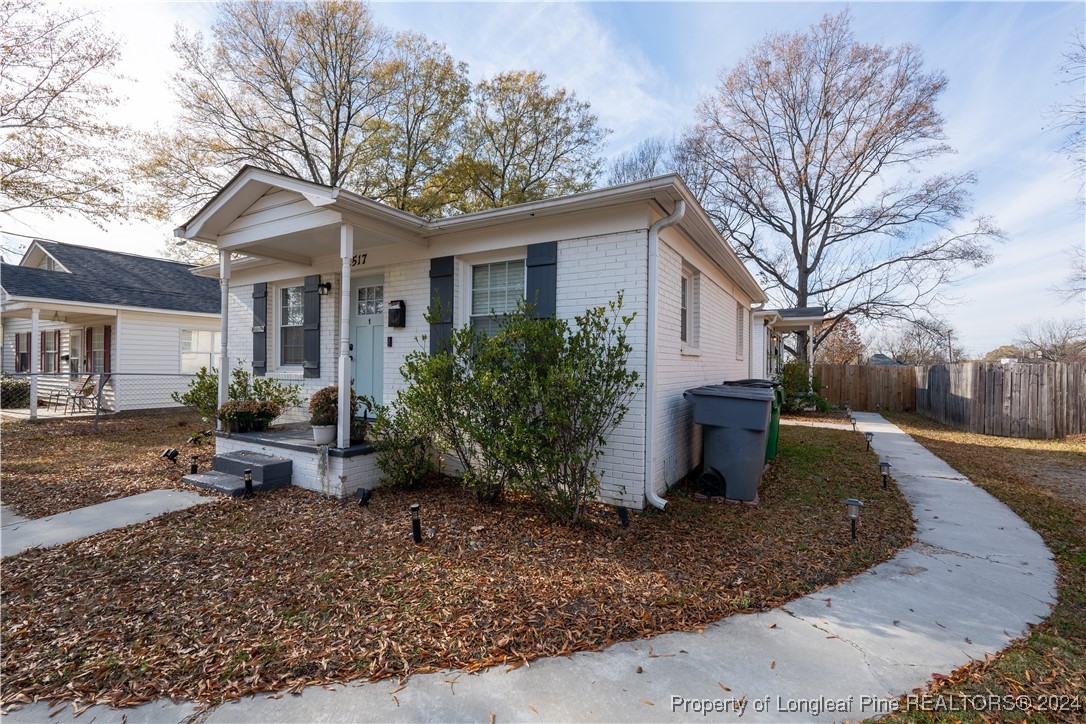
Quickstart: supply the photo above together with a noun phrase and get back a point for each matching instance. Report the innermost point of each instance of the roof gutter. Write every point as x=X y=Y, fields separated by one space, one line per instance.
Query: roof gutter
x=650 y=355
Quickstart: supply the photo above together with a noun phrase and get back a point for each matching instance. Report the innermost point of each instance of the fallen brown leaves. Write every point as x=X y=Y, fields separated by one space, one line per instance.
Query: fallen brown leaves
x=1043 y=481
x=290 y=589
x=57 y=465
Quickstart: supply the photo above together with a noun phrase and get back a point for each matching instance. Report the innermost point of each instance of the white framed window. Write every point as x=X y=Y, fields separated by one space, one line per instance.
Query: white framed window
x=689 y=310
x=291 y=316
x=198 y=348
x=496 y=289
x=49 y=357
x=98 y=351
x=740 y=331
x=370 y=300
x=685 y=288
x=75 y=351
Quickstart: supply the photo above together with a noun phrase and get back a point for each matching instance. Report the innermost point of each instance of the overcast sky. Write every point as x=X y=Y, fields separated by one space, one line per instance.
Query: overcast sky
x=644 y=66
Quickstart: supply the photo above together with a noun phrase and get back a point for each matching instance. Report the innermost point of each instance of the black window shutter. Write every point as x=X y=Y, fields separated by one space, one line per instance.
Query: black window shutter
x=260 y=329
x=311 y=328
x=541 y=283
x=441 y=295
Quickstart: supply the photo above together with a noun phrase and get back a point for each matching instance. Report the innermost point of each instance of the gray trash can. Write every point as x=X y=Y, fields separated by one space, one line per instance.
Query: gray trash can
x=735 y=422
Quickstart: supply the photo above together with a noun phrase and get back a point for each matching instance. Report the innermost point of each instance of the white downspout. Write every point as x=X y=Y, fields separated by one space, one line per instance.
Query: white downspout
x=650 y=356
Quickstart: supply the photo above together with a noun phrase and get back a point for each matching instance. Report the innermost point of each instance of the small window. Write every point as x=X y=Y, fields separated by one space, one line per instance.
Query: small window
x=98 y=351
x=22 y=352
x=740 y=328
x=684 y=306
x=49 y=352
x=291 y=315
x=75 y=351
x=198 y=348
x=496 y=289
x=371 y=300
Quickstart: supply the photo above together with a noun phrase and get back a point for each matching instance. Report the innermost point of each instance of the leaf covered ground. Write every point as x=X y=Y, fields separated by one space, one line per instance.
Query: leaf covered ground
x=1044 y=482
x=290 y=589
x=57 y=465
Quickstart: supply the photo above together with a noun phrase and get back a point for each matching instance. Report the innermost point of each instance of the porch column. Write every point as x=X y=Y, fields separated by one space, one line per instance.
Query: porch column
x=810 y=357
x=35 y=362
x=346 y=251
x=224 y=325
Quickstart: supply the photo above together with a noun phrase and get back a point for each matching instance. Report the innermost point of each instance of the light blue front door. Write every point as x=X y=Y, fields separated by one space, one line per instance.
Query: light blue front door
x=368 y=335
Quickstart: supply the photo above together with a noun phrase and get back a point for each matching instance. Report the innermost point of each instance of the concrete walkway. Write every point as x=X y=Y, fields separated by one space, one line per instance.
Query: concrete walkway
x=23 y=534
x=975 y=578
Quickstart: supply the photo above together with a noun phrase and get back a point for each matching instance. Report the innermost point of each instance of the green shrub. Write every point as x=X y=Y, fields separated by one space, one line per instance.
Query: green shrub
x=529 y=407
x=799 y=394
x=202 y=394
x=14 y=392
x=403 y=452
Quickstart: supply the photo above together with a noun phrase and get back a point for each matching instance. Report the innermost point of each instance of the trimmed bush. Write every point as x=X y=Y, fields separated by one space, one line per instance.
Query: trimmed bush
x=14 y=392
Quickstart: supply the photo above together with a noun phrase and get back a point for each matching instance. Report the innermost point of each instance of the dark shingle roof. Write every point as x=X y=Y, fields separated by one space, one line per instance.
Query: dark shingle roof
x=109 y=277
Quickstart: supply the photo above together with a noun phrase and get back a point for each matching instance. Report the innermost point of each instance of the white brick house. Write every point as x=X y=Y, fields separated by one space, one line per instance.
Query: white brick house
x=318 y=260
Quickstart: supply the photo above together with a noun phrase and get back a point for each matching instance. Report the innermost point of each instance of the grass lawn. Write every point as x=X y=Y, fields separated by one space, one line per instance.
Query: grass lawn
x=57 y=465
x=290 y=589
x=1044 y=482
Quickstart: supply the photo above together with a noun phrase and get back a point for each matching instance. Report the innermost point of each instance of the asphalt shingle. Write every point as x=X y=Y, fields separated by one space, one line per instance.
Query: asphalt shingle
x=99 y=276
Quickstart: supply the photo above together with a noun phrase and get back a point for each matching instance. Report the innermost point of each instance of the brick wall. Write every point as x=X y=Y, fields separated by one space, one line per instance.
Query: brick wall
x=680 y=367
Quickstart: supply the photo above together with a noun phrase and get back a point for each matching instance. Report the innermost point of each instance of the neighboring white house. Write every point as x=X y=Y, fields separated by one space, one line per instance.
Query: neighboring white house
x=770 y=326
x=136 y=323
x=313 y=301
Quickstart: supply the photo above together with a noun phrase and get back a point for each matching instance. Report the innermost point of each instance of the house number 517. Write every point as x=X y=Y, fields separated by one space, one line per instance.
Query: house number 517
x=358 y=260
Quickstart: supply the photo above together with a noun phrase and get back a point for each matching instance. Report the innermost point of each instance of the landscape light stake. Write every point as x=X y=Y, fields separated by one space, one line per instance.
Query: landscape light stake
x=248 y=477
x=853 y=506
x=416 y=524
x=195 y=467
x=868 y=436
x=884 y=468
x=853 y=421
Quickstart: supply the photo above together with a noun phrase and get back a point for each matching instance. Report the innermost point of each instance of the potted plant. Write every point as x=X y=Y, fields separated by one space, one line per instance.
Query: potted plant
x=324 y=413
x=248 y=415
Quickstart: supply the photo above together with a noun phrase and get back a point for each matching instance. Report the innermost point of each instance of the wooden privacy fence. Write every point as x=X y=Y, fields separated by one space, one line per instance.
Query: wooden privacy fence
x=1013 y=400
x=868 y=387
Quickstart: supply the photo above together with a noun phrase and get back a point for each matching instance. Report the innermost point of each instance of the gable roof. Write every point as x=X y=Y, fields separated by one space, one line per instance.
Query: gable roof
x=98 y=276
x=251 y=183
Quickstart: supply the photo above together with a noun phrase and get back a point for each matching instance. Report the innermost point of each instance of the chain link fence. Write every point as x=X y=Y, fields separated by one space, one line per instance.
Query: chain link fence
x=62 y=395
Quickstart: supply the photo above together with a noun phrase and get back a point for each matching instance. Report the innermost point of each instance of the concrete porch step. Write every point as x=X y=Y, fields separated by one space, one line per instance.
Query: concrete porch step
x=269 y=471
x=232 y=485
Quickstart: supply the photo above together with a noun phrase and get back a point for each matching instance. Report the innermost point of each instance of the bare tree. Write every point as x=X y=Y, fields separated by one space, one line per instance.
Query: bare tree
x=924 y=341
x=527 y=142
x=808 y=150
x=58 y=152
x=299 y=88
x=1069 y=116
x=651 y=157
x=1054 y=340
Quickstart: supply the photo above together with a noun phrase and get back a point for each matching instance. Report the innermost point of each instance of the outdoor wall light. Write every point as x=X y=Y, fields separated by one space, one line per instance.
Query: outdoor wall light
x=170 y=454
x=884 y=468
x=416 y=524
x=324 y=289
x=853 y=507
x=195 y=466
x=869 y=436
x=247 y=476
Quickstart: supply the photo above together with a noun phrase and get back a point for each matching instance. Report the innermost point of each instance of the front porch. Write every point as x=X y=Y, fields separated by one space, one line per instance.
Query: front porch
x=338 y=472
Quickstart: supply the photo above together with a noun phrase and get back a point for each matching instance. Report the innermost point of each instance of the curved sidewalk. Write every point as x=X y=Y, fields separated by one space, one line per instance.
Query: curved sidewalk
x=974 y=578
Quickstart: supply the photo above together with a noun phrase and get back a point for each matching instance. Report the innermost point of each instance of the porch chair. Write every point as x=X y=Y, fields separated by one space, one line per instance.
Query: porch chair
x=86 y=391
